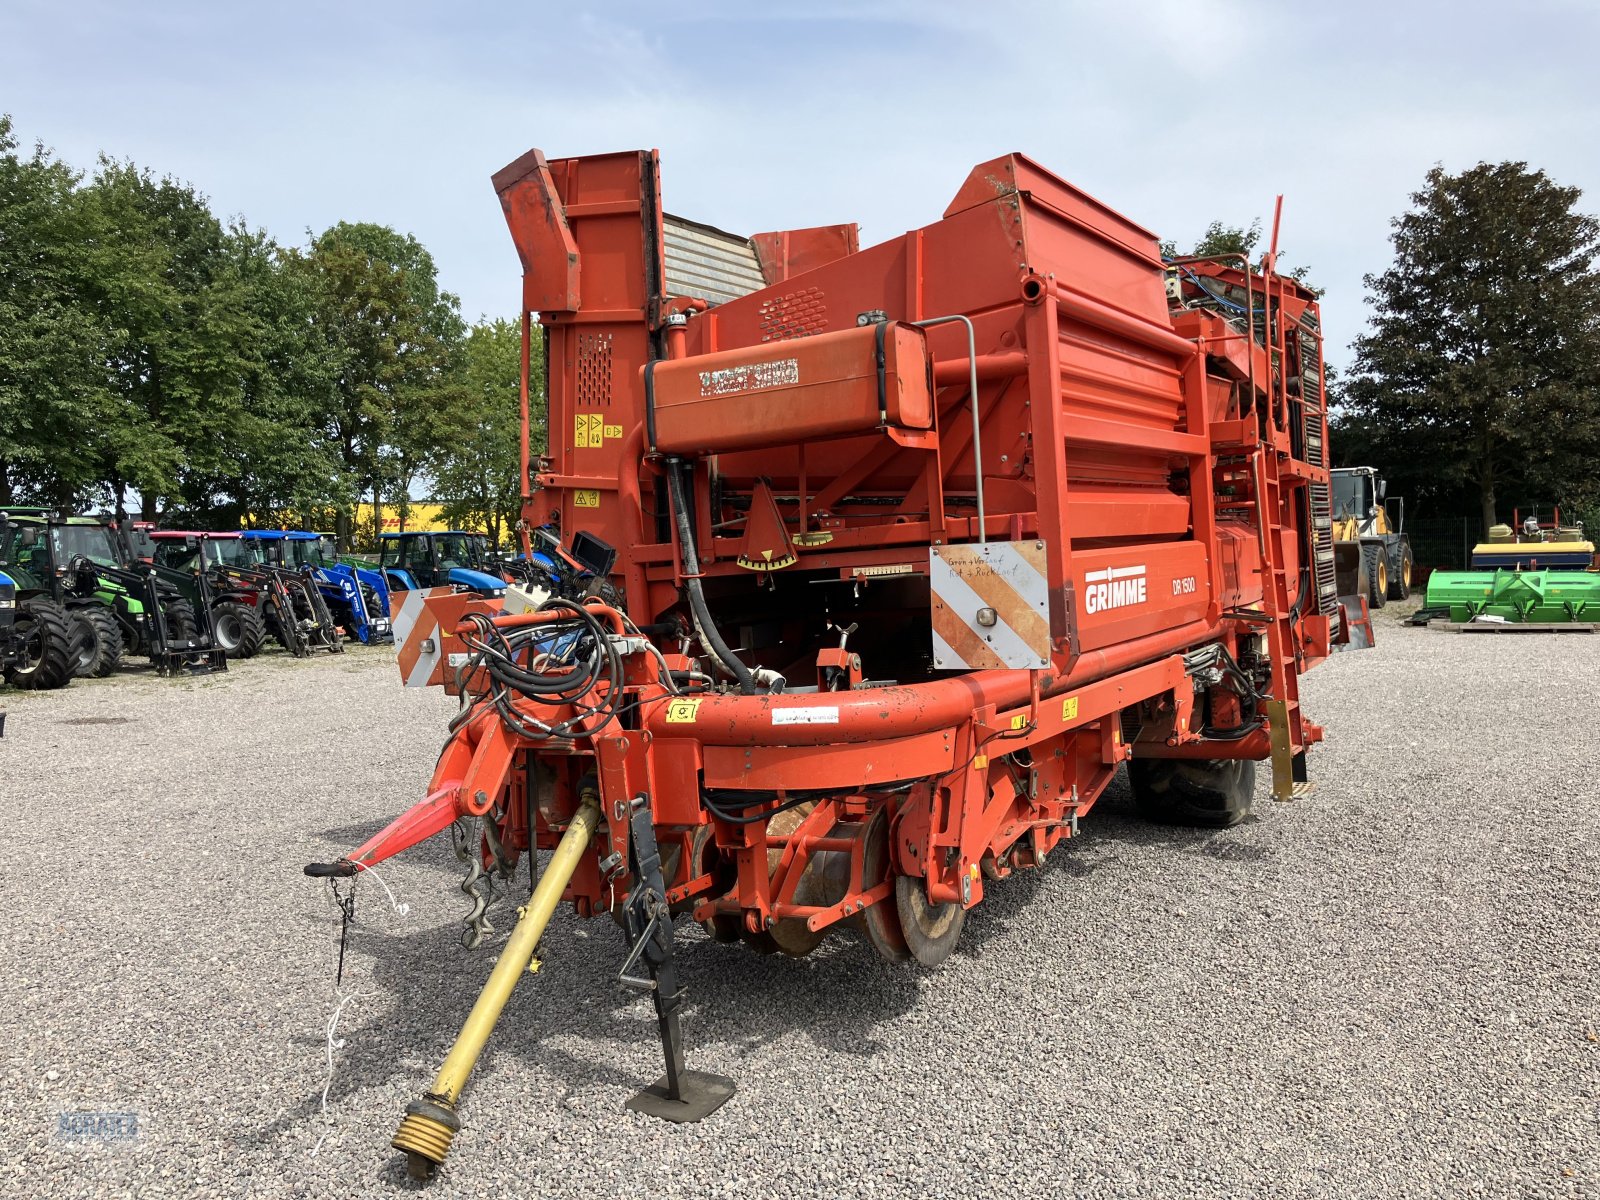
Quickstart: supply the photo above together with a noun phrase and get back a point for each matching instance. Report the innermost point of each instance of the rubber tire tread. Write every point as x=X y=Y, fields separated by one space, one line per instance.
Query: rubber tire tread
x=54 y=668
x=1399 y=570
x=99 y=623
x=1208 y=793
x=1370 y=556
x=252 y=629
x=182 y=626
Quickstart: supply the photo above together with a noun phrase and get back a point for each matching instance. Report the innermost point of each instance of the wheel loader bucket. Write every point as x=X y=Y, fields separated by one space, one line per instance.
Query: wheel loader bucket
x=1347 y=568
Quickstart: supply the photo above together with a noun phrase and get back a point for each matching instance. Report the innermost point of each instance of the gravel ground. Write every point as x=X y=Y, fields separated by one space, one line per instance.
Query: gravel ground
x=1386 y=989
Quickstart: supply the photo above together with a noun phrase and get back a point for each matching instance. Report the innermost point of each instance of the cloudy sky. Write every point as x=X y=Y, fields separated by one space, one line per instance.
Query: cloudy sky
x=777 y=115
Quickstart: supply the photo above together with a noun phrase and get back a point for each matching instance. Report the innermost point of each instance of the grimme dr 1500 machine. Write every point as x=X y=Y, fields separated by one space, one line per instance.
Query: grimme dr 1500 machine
x=891 y=558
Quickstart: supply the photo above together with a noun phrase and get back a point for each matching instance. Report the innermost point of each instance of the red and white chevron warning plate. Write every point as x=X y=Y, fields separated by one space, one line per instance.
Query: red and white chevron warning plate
x=418 y=646
x=991 y=606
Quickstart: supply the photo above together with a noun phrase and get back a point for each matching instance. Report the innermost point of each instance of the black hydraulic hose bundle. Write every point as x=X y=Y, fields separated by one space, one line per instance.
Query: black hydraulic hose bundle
x=559 y=662
x=710 y=637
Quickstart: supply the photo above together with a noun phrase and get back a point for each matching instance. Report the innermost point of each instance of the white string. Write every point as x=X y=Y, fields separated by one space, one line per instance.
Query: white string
x=334 y=1043
x=400 y=909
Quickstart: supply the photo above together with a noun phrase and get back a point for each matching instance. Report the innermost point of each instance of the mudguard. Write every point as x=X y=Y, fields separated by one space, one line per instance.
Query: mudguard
x=475 y=581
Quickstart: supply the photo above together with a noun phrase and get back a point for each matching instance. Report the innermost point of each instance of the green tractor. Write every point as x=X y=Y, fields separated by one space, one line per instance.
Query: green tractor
x=112 y=607
x=36 y=645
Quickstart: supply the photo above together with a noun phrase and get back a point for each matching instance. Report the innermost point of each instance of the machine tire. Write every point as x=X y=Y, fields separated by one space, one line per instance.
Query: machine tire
x=43 y=627
x=931 y=930
x=98 y=644
x=1375 y=575
x=1209 y=793
x=1400 y=572
x=239 y=628
x=182 y=627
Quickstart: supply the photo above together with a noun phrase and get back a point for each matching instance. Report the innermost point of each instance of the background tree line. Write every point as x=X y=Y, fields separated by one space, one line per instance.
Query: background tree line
x=152 y=351
x=1475 y=390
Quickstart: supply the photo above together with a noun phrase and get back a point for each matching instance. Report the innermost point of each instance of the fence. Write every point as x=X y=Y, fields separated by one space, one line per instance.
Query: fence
x=1443 y=543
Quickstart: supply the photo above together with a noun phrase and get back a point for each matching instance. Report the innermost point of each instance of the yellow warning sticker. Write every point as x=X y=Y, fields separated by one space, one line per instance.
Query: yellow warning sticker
x=1069 y=709
x=682 y=710
x=586 y=498
x=613 y=431
x=588 y=431
x=1019 y=721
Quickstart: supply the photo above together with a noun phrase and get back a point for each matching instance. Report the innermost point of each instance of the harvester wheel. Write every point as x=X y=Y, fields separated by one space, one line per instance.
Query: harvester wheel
x=45 y=634
x=1375 y=571
x=1213 y=794
x=1400 y=574
x=182 y=628
x=881 y=921
x=931 y=930
x=99 y=641
x=240 y=630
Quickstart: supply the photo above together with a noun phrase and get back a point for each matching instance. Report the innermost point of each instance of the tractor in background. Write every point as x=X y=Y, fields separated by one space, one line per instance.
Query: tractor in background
x=113 y=606
x=297 y=616
x=1372 y=552
x=454 y=559
x=240 y=597
x=36 y=649
x=353 y=605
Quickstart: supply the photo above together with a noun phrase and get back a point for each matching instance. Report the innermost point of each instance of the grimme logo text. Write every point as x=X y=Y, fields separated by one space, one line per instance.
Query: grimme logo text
x=1115 y=587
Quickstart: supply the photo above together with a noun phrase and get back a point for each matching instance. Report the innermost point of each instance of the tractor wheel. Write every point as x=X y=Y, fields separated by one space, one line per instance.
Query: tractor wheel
x=1213 y=794
x=1375 y=570
x=183 y=630
x=239 y=628
x=272 y=621
x=46 y=643
x=99 y=641
x=1400 y=573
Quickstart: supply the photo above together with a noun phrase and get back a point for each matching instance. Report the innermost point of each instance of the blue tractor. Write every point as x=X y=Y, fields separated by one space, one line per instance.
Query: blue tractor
x=425 y=559
x=357 y=598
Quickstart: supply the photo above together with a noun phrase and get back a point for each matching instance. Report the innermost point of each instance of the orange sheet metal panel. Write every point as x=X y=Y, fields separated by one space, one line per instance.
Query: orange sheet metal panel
x=831 y=385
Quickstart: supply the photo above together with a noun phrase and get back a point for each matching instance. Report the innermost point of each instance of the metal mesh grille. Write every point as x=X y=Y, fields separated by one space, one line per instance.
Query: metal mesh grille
x=594 y=369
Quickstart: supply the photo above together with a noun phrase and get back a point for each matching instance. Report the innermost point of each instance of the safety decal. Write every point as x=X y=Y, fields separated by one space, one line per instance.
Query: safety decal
x=681 y=711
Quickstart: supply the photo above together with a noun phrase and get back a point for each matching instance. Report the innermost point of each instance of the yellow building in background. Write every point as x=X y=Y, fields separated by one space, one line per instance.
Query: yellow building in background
x=419 y=515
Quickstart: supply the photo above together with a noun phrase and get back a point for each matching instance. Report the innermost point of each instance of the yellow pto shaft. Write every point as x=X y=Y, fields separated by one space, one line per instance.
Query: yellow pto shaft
x=431 y=1123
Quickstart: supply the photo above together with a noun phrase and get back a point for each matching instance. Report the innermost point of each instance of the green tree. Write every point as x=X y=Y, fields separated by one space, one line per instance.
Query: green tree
x=476 y=470
x=157 y=273
x=1480 y=373
x=53 y=346
x=392 y=339
x=269 y=459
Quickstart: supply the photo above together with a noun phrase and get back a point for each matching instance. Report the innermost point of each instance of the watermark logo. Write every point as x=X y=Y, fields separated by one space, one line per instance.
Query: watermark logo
x=97 y=1126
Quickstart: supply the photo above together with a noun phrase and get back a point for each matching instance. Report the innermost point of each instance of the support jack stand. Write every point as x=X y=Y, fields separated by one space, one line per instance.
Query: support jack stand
x=680 y=1095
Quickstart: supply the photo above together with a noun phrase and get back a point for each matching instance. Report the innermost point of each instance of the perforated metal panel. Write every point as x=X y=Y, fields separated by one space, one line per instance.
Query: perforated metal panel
x=594 y=369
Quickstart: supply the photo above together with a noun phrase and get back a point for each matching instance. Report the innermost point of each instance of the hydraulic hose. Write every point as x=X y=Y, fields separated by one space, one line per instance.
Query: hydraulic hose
x=703 y=624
